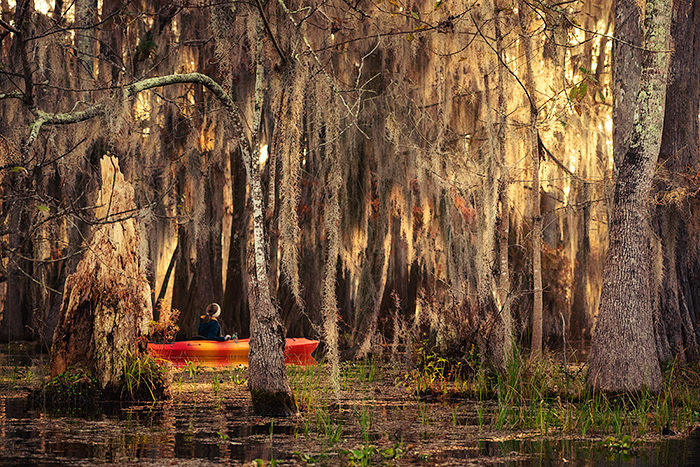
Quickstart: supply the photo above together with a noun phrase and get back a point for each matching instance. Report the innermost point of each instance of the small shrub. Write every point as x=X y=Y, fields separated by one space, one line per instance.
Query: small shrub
x=166 y=328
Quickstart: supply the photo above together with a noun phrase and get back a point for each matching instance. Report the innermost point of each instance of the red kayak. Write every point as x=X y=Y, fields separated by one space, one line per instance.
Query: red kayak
x=215 y=354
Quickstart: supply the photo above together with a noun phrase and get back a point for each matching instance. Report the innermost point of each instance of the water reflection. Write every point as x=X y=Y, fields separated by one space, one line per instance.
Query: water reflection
x=133 y=434
x=222 y=430
x=529 y=453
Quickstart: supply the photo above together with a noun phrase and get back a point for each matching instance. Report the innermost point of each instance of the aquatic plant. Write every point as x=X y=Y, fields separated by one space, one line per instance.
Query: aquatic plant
x=193 y=369
x=331 y=427
x=262 y=463
x=623 y=445
x=365 y=417
x=216 y=384
x=75 y=388
x=545 y=395
x=237 y=374
x=362 y=456
x=145 y=378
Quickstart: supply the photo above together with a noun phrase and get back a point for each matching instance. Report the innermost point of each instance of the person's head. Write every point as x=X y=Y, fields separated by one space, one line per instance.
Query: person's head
x=213 y=310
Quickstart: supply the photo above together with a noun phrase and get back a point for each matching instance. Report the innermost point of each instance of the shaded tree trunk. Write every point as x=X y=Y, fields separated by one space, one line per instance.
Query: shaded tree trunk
x=675 y=225
x=235 y=311
x=580 y=309
x=15 y=321
x=627 y=59
x=623 y=352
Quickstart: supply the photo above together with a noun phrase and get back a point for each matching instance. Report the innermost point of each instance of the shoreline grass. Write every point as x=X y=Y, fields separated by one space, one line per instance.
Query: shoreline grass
x=543 y=400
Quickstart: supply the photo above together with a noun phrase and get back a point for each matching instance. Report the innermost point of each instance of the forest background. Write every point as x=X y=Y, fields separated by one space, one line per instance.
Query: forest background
x=439 y=171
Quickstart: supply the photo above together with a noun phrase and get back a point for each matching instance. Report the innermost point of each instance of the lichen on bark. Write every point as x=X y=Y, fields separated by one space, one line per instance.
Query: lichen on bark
x=623 y=354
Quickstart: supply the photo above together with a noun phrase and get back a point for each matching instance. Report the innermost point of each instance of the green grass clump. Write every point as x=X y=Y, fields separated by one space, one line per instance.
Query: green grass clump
x=75 y=388
x=145 y=378
x=547 y=396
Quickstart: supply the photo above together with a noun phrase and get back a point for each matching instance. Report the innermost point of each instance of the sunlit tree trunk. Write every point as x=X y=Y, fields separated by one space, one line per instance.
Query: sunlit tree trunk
x=623 y=353
x=536 y=231
x=495 y=327
x=503 y=221
x=107 y=301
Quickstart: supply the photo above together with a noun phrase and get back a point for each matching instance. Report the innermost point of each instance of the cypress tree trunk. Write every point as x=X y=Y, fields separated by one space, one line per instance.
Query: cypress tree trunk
x=268 y=382
x=235 y=311
x=269 y=386
x=536 y=231
x=107 y=304
x=675 y=224
x=623 y=353
x=580 y=310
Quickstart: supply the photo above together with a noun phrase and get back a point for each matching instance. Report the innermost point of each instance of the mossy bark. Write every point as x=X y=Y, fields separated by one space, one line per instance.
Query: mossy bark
x=677 y=281
x=623 y=354
x=268 y=380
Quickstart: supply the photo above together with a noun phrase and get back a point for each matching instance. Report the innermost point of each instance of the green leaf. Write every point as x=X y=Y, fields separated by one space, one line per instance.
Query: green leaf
x=583 y=70
x=582 y=89
x=602 y=96
x=573 y=93
x=438 y=4
x=415 y=15
x=41 y=207
x=410 y=37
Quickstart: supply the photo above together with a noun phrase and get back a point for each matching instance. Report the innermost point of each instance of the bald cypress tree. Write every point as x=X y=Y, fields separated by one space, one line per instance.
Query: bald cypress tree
x=623 y=354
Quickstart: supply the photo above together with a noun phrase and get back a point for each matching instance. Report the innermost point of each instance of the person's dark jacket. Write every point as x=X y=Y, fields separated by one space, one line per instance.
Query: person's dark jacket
x=210 y=330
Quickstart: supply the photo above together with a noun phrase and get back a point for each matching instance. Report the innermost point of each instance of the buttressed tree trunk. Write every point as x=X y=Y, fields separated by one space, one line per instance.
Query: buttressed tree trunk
x=107 y=300
x=623 y=354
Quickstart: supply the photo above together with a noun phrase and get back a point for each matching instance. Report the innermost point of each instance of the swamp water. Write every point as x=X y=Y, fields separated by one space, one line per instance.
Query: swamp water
x=208 y=421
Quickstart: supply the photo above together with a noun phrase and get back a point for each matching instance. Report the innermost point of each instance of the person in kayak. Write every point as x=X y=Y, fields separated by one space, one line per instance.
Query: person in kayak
x=209 y=327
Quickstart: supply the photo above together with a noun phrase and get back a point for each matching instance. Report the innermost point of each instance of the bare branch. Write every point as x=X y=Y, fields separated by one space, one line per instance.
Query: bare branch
x=9 y=27
x=95 y=110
